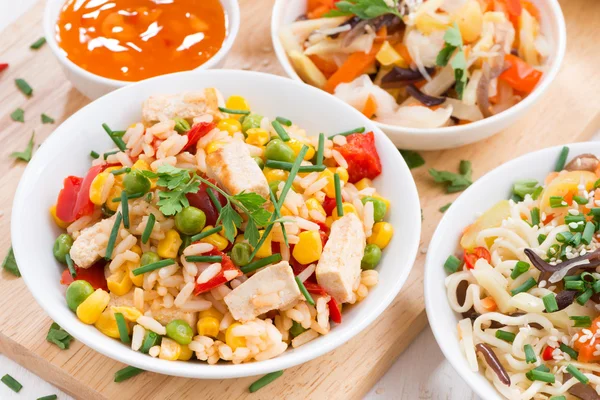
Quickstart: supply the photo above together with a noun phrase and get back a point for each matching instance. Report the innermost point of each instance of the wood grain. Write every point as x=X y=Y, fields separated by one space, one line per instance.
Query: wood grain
x=568 y=113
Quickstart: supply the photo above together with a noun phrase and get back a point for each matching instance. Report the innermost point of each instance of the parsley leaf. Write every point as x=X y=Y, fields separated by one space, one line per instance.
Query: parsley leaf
x=179 y=182
x=26 y=154
x=230 y=219
x=251 y=233
x=412 y=158
x=364 y=9
x=18 y=115
x=46 y=119
x=454 y=43
x=454 y=182
x=453 y=37
x=59 y=336
x=10 y=264
x=445 y=207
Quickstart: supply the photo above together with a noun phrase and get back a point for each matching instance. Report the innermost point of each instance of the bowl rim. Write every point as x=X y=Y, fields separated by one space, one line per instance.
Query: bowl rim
x=219 y=371
x=485 y=391
x=232 y=23
x=510 y=113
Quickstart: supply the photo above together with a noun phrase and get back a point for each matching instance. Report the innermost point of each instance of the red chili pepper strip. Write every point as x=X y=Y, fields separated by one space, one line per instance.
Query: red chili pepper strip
x=520 y=75
x=478 y=252
x=334 y=311
x=67 y=198
x=94 y=275
x=547 y=353
x=219 y=279
x=3 y=66
x=197 y=132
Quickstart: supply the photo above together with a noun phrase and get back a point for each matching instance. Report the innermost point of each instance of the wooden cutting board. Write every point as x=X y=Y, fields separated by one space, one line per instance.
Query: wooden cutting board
x=569 y=112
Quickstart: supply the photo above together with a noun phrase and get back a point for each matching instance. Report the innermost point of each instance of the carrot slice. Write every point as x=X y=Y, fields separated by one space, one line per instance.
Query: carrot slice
x=317 y=12
x=370 y=107
x=403 y=51
x=327 y=67
x=489 y=304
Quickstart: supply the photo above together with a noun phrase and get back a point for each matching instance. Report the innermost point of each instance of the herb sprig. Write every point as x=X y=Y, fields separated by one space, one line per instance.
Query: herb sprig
x=454 y=43
x=363 y=9
x=454 y=182
x=26 y=154
x=59 y=336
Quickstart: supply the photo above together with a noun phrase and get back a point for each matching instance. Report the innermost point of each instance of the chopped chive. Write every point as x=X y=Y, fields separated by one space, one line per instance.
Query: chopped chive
x=596 y=287
x=153 y=266
x=581 y=321
x=49 y=397
x=287 y=166
x=572 y=278
x=122 y=327
x=564 y=237
x=204 y=259
x=303 y=290
x=277 y=212
x=232 y=111
x=116 y=139
x=535 y=216
x=577 y=374
x=206 y=233
x=94 y=155
x=280 y=131
x=542 y=368
x=113 y=236
x=181 y=125
x=505 y=335
x=311 y=168
x=265 y=380
x=530 y=357
x=18 y=115
x=536 y=193
x=253 y=266
x=558 y=398
x=129 y=197
x=38 y=43
x=575 y=219
x=284 y=121
x=537 y=375
x=445 y=207
x=588 y=232
x=321 y=148
x=120 y=171
x=46 y=119
x=541 y=237
x=452 y=263
x=12 y=383
x=569 y=350
x=70 y=265
x=10 y=264
x=350 y=132
x=575 y=285
x=108 y=153
x=126 y=373
x=587 y=277
x=125 y=209
x=553 y=250
x=557 y=201
x=148 y=228
x=338 y=194
x=580 y=200
x=24 y=87
x=583 y=298
x=550 y=303
x=528 y=284
x=520 y=268
x=562 y=159
x=214 y=199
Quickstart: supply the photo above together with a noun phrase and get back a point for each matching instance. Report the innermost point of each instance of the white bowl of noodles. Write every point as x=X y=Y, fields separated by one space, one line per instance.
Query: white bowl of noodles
x=441 y=302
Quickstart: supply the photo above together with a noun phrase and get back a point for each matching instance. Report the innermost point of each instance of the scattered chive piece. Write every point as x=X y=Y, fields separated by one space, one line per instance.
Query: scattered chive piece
x=113 y=237
x=108 y=153
x=535 y=216
x=530 y=357
x=12 y=383
x=583 y=298
x=528 y=284
x=49 y=397
x=572 y=278
x=350 y=132
x=277 y=212
x=206 y=233
x=204 y=258
x=10 y=264
x=284 y=121
x=321 y=147
x=444 y=208
x=26 y=154
x=116 y=139
x=303 y=290
x=505 y=335
x=153 y=266
x=577 y=374
x=550 y=303
x=412 y=158
x=452 y=263
x=129 y=196
x=588 y=232
x=287 y=166
x=558 y=398
x=265 y=380
x=18 y=115
x=537 y=375
x=338 y=194
x=94 y=155
x=553 y=250
x=280 y=131
x=311 y=168
x=59 y=336
x=581 y=321
x=557 y=201
x=122 y=327
x=47 y=119
x=575 y=285
x=38 y=43
x=541 y=237
x=569 y=350
x=148 y=228
x=536 y=193
x=214 y=199
x=520 y=268
x=120 y=171
x=260 y=263
x=580 y=200
x=232 y=111
x=562 y=159
x=126 y=373
x=70 y=265
x=24 y=87
x=125 y=209
x=596 y=287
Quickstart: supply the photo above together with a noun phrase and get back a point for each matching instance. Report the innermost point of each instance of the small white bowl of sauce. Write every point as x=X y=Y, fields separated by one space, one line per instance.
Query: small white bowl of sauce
x=103 y=45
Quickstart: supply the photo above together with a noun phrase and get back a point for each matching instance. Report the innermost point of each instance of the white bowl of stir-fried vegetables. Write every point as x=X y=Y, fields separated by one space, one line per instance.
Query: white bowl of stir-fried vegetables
x=510 y=277
x=103 y=303
x=432 y=74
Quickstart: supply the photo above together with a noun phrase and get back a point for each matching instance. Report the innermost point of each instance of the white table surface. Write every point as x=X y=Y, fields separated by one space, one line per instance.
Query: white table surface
x=421 y=372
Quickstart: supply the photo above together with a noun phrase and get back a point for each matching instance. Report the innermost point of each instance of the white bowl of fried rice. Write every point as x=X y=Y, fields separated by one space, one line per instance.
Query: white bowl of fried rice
x=516 y=255
x=67 y=152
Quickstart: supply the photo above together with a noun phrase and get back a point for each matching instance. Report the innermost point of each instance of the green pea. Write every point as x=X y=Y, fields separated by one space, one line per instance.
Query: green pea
x=186 y=240
x=181 y=125
x=277 y=150
x=260 y=162
x=190 y=220
x=296 y=329
x=135 y=182
x=77 y=292
x=180 y=331
x=62 y=246
x=379 y=207
x=240 y=254
x=251 y=121
x=151 y=339
x=274 y=185
x=149 y=258
x=371 y=257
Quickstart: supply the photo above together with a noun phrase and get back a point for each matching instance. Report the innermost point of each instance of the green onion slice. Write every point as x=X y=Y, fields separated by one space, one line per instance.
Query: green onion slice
x=214 y=199
x=12 y=383
x=24 y=87
x=505 y=335
x=122 y=327
x=581 y=321
x=93 y=154
x=126 y=373
x=206 y=233
x=280 y=131
x=233 y=111
x=530 y=357
x=528 y=284
x=125 y=209
x=338 y=194
x=452 y=264
x=550 y=303
x=115 y=138
x=284 y=121
x=321 y=148
x=211 y=259
x=153 y=266
x=562 y=159
x=253 y=266
x=264 y=381
x=569 y=350
x=303 y=290
x=350 y=132
x=148 y=229
x=577 y=374
x=520 y=268
x=70 y=265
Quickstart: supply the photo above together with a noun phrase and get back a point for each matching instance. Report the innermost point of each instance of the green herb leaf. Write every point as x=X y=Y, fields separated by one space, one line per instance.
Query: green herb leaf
x=38 y=43
x=454 y=41
x=251 y=234
x=18 y=115
x=24 y=87
x=412 y=158
x=26 y=154
x=59 y=336
x=453 y=36
x=445 y=207
x=47 y=119
x=454 y=182
x=250 y=200
x=10 y=264
x=444 y=55
x=364 y=9
x=230 y=219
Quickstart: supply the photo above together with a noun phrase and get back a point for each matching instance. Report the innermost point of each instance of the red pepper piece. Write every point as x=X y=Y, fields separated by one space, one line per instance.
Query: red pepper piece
x=219 y=279
x=328 y=205
x=67 y=198
x=362 y=157
x=334 y=311
x=514 y=7
x=476 y=254
x=201 y=200
x=547 y=353
x=94 y=275
x=314 y=288
x=3 y=66
x=197 y=132
x=519 y=75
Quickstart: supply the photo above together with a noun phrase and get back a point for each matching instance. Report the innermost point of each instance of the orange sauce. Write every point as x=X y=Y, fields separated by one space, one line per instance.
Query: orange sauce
x=132 y=40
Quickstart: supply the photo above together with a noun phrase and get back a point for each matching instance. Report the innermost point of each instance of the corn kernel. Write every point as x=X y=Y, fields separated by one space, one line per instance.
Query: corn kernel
x=237 y=103
x=57 y=221
x=208 y=326
x=426 y=24
x=90 y=310
x=107 y=324
x=169 y=349
x=214 y=146
x=363 y=183
x=97 y=187
x=387 y=55
x=313 y=205
x=211 y=312
x=186 y=353
x=309 y=247
x=230 y=125
x=265 y=250
x=215 y=239
x=115 y=192
x=234 y=341
x=169 y=246
x=275 y=174
x=136 y=249
x=142 y=165
x=382 y=234
x=137 y=280
x=330 y=188
x=119 y=282
x=470 y=21
x=329 y=221
x=347 y=207
x=130 y=313
x=285 y=212
x=342 y=172
x=257 y=136
x=296 y=146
